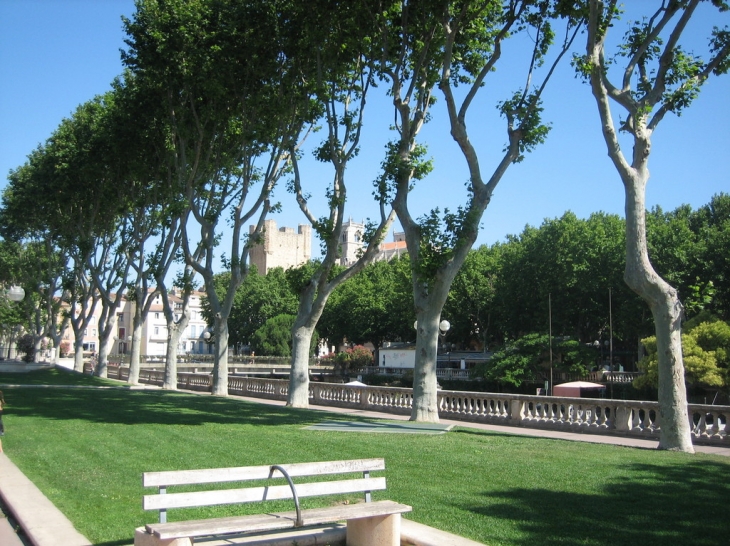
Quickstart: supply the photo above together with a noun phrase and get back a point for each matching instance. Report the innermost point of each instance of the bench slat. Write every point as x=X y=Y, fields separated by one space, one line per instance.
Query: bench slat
x=243 y=473
x=271 y=522
x=252 y=494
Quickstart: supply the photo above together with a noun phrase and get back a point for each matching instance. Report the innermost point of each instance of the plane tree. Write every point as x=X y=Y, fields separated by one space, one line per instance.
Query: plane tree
x=156 y=208
x=650 y=75
x=335 y=44
x=234 y=102
x=36 y=263
x=441 y=45
x=62 y=190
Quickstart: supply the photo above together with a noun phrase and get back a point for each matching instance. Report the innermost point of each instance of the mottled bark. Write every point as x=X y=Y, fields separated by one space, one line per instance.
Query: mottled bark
x=425 y=383
x=174 y=332
x=298 y=396
x=220 y=368
x=135 y=351
x=667 y=311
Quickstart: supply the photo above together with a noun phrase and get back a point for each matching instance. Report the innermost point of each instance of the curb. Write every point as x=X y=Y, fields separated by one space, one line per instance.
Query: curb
x=41 y=521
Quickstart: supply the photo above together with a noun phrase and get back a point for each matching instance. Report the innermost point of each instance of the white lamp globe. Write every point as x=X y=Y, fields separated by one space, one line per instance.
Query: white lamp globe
x=16 y=293
x=444 y=326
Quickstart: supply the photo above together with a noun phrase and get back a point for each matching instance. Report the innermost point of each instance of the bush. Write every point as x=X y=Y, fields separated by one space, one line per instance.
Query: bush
x=26 y=346
x=64 y=349
x=706 y=354
x=353 y=360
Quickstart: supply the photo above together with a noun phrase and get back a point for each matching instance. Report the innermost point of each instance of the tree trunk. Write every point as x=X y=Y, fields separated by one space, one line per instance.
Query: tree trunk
x=79 y=354
x=425 y=383
x=135 y=354
x=675 y=432
x=106 y=339
x=101 y=367
x=299 y=374
x=220 y=367
x=174 y=332
x=136 y=348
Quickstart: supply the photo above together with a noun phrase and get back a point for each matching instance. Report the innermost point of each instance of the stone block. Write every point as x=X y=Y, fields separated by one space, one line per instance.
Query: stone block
x=143 y=538
x=377 y=531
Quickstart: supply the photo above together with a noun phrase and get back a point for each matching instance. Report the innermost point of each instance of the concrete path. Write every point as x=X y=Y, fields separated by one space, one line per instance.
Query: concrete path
x=45 y=525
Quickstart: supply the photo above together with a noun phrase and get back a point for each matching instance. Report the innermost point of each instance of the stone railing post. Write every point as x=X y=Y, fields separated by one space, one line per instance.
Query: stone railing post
x=364 y=398
x=316 y=392
x=622 y=418
x=516 y=411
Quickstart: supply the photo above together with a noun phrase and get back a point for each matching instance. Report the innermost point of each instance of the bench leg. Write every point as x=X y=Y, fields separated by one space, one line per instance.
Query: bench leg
x=376 y=531
x=143 y=538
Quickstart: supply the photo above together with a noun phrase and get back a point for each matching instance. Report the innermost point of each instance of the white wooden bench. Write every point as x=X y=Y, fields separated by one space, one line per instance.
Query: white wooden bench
x=368 y=523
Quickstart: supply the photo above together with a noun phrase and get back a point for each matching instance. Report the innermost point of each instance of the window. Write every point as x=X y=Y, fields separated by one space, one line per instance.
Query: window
x=193 y=331
x=157 y=331
x=157 y=315
x=122 y=333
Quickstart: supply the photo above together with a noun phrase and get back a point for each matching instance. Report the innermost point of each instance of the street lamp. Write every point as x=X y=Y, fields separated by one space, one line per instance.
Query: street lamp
x=444 y=327
x=16 y=293
x=208 y=337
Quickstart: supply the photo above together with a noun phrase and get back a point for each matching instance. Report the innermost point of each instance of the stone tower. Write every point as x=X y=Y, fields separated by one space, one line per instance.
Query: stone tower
x=281 y=247
x=351 y=243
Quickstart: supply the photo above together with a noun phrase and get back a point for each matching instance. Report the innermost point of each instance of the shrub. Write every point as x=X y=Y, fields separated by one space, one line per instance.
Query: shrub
x=26 y=346
x=353 y=360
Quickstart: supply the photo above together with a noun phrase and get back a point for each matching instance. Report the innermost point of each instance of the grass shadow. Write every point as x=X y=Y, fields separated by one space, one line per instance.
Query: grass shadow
x=129 y=407
x=650 y=505
x=123 y=406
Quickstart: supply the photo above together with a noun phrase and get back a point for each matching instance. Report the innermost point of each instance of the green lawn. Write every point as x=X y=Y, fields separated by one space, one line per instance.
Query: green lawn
x=86 y=450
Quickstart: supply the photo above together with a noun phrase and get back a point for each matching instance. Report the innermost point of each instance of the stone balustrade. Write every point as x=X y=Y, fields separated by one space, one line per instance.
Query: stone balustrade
x=441 y=373
x=587 y=415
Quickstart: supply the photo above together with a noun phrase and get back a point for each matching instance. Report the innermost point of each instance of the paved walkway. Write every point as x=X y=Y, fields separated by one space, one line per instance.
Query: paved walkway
x=45 y=525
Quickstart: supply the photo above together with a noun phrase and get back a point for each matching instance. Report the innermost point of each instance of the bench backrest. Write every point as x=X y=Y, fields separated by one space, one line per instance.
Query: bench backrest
x=163 y=500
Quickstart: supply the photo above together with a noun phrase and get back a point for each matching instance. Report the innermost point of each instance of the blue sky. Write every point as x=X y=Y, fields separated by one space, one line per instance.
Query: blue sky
x=57 y=54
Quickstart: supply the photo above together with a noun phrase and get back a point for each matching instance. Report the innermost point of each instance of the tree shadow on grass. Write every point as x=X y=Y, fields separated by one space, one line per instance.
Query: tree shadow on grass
x=683 y=504
x=123 y=406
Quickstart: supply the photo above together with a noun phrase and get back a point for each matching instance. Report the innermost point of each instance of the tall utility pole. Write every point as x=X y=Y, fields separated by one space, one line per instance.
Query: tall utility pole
x=610 y=340
x=550 y=341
